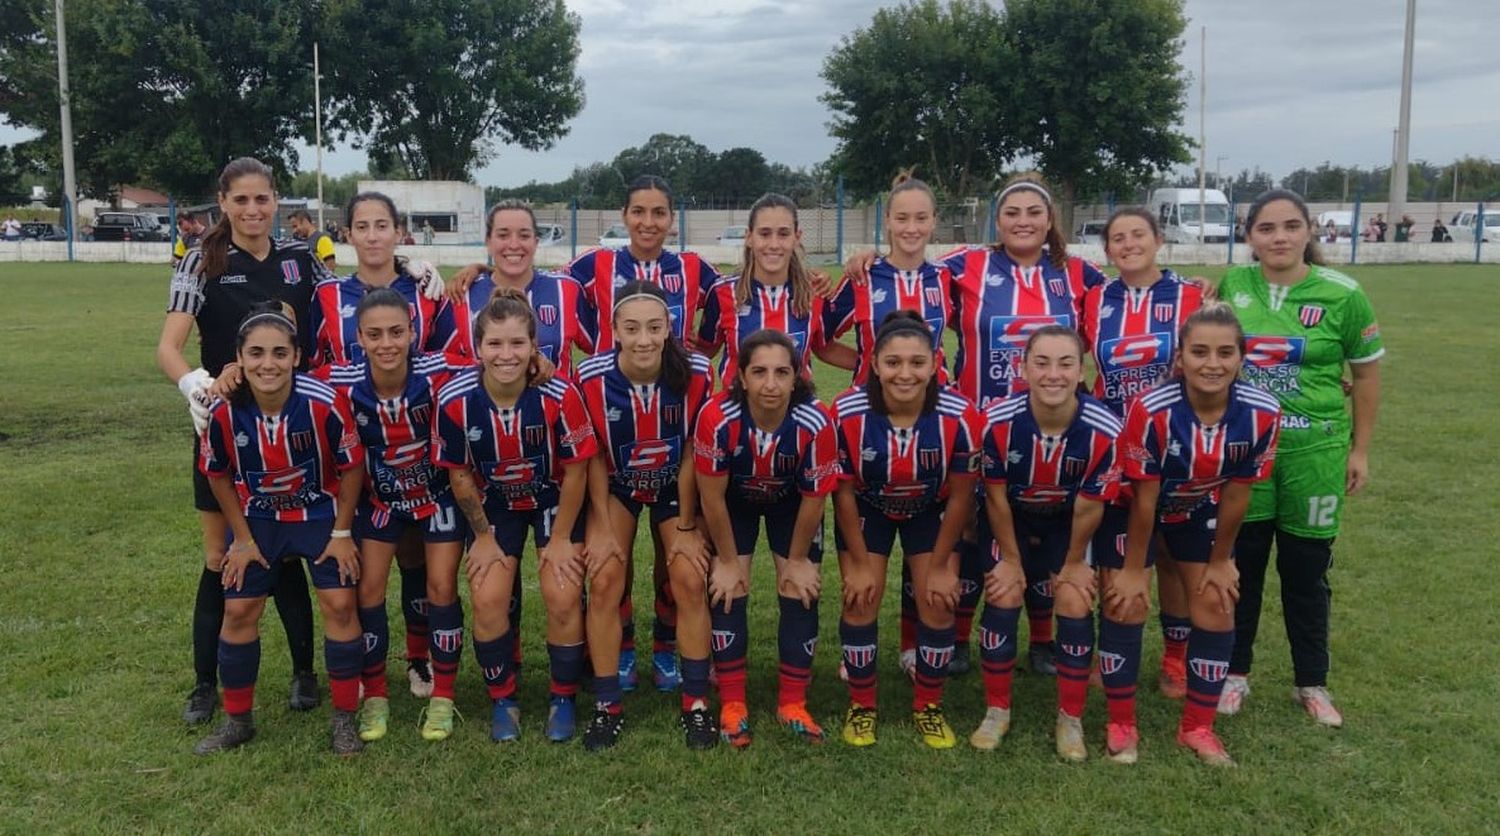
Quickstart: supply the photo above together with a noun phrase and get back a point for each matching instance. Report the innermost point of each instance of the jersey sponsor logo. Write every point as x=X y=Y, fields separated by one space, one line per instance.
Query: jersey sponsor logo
x=1310 y=315
x=936 y=657
x=347 y=312
x=475 y=433
x=1209 y=670
x=1164 y=311
x=578 y=435
x=291 y=272
x=1274 y=362
x=547 y=314
x=649 y=455
x=512 y=471
x=878 y=295
x=722 y=639
x=1295 y=422
x=823 y=471
x=761 y=488
x=1136 y=351
x=1008 y=336
x=1110 y=663
x=401 y=455
x=903 y=490
x=859 y=655
x=288 y=481
x=234 y=278
x=1371 y=332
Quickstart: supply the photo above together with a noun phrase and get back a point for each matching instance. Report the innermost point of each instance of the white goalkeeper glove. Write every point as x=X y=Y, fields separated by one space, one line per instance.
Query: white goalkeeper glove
x=194 y=386
x=428 y=279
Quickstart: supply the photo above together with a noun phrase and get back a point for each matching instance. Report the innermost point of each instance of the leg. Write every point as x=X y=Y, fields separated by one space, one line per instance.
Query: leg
x=971 y=568
x=690 y=589
x=1209 y=648
x=374 y=571
x=1252 y=553
x=1303 y=563
x=1175 y=626
x=208 y=620
x=602 y=620
x=1120 y=635
x=411 y=556
x=239 y=666
x=445 y=616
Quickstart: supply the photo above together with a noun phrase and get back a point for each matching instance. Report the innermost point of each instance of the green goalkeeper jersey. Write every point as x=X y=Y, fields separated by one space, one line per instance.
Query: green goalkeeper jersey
x=1298 y=340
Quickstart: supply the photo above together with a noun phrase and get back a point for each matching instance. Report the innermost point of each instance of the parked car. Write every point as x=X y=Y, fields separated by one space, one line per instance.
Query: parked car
x=549 y=234
x=1463 y=224
x=733 y=236
x=614 y=237
x=127 y=226
x=1090 y=232
x=42 y=231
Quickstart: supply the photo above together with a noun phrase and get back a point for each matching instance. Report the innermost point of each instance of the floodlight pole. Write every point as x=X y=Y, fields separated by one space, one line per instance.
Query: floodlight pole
x=1202 y=131
x=70 y=180
x=1403 y=132
x=318 y=127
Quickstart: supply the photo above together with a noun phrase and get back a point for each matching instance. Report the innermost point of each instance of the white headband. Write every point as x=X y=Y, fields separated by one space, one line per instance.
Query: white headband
x=1025 y=184
x=282 y=318
x=641 y=295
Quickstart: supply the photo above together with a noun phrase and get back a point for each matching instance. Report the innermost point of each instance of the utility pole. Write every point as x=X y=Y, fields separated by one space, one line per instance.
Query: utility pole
x=1403 y=131
x=70 y=180
x=318 y=123
x=1202 y=130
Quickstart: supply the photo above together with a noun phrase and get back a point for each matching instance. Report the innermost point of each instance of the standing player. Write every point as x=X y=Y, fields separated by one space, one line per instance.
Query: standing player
x=318 y=242
x=909 y=451
x=1049 y=469
x=237 y=266
x=284 y=462
x=392 y=393
x=643 y=396
x=767 y=446
x=683 y=279
x=190 y=231
x=1130 y=326
x=772 y=291
x=1191 y=449
x=518 y=452
x=1306 y=322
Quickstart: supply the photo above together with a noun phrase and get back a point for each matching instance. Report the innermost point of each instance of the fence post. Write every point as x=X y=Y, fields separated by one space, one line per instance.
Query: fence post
x=1232 y=225
x=1478 y=230
x=989 y=220
x=172 y=223
x=878 y=216
x=682 y=228
x=838 y=245
x=573 y=232
x=1354 y=229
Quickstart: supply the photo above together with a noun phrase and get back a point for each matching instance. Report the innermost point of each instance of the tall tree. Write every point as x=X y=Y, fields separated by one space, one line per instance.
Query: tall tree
x=679 y=159
x=435 y=83
x=1098 y=93
x=735 y=176
x=925 y=86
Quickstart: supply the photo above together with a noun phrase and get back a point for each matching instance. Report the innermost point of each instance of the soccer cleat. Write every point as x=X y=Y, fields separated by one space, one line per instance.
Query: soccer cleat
x=201 y=703
x=304 y=692
x=664 y=671
x=374 y=717
x=991 y=729
x=629 y=679
x=1173 y=679
x=419 y=678
x=734 y=724
x=1319 y=705
x=795 y=717
x=1070 y=745
x=344 y=734
x=505 y=720
x=960 y=664
x=236 y=730
x=560 y=719
x=1232 y=698
x=1205 y=744
x=1121 y=742
x=698 y=727
x=437 y=719
x=604 y=729
x=909 y=664
x=859 y=726
x=934 y=728
x=1041 y=661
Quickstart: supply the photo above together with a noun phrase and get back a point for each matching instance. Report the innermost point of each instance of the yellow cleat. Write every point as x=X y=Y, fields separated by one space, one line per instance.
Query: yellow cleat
x=934 y=728
x=437 y=724
x=859 y=726
x=374 y=717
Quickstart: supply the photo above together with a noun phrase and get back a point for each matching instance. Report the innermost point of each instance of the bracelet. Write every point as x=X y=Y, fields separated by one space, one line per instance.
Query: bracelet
x=340 y=534
x=689 y=528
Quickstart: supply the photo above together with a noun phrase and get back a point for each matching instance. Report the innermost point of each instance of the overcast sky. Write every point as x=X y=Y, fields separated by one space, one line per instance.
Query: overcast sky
x=1290 y=82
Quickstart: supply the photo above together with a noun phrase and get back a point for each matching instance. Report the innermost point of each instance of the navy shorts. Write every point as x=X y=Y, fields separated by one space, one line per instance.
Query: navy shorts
x=663 y=509
x=1043 y=541
x=445 y=525
x=1107 y=551
x=1190 y=541
x=781 y=519
x=282 y=541
x=511 y=527
x=918 y=533
x=203 y=495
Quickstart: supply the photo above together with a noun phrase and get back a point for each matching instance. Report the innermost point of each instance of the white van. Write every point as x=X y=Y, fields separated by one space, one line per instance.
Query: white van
x=1177 y=210
x=1463 y=223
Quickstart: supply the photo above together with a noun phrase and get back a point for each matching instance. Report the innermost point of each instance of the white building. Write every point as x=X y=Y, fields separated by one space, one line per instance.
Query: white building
x=455 y=210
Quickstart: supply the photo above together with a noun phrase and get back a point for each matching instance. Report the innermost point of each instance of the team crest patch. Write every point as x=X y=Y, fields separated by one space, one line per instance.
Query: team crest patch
x=1164 y=311
x=671 y=413
x=930 y=458
x=534 y=434
x=1110 y=663
x=936 y=657
x=1209 y=670
x=1236 y=451
x=786 y=461
x=291 y=273
x=1073 y=465
x=1310 y=315
x=990 y=640
x=1057 y=287
x=934 y=296
x=722 y=639
x=672 y=282
x=302 y=440
x=547 y=314
x=1120 y=540
x=810 y=645
x=448 y=641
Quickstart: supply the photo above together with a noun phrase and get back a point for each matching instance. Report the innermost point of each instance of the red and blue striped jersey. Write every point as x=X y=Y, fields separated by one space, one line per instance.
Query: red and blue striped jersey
x=644 y=429
x=563 y=321
x=997 y=303
x=396 y=433
x=685 y=277
x=1132 y=332
x=726 y=324
x=286 y=466
x=1164 y=441
x=1042 y=474
x=863 y=307
x=517 y=453
x=903 y=471
x=336 y=331
x=765 y=466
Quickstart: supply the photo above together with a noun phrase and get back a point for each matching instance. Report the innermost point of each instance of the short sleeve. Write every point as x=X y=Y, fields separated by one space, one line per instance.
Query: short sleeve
x=838 y=313
x=185 y=294
x=576 y=440
x=1102 y=481
x=820 y=461
x=1140 y=448
x=450 y=443
x=711 y=442
x=996 y=452
x=710 y=335
x=214 y=448
x=1361 y=332
x=967 y=443
x=339 y=423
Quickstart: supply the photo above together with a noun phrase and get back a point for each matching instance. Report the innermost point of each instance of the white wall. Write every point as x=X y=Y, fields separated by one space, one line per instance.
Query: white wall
x=465 y=200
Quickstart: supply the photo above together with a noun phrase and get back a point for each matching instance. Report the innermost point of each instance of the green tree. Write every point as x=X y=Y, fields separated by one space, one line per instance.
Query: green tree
x=436 y=83
x=1099 y=92
x=678 y=159
x=735 y=176
x=924 y=85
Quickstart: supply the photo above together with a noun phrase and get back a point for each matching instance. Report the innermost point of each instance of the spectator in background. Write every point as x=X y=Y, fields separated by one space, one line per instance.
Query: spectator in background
x=1440 y=232
x=1403 y=229
x=318 y=242
x=11 y=228
x=406 y=237
x=426 y=233
x=190 y=231
x=1381 y=227
x=1331 y=233
x=1371 y=232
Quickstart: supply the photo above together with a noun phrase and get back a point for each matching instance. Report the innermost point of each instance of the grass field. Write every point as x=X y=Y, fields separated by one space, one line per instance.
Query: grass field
x=100 y=556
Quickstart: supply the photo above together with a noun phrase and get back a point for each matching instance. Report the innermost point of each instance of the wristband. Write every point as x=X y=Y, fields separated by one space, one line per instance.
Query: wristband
x=689 y=528
x=340 y=534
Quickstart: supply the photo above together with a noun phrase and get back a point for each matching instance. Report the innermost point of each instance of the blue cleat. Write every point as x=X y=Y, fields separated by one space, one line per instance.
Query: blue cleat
x=664 y=669
x=560 y=719
x=629 y=679
x=505 y=721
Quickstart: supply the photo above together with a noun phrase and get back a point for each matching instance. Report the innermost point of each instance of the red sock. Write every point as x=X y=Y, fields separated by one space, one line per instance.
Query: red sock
x=1121 y=708
x=792 y=685
x=416 y=644
x=239 y=700
x=375 y=684
x=997 y=684
x=344 y=693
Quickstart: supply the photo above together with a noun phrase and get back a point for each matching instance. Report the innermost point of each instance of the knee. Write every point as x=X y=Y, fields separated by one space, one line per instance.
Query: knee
x=688 y=585
x=441 y=591
x=607 y=587
x=240 y=615
x=340 y=612
x=563 y=601
x=1069 y=602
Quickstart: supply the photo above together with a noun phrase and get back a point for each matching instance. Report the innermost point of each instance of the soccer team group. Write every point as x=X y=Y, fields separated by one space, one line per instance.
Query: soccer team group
x=390 y=418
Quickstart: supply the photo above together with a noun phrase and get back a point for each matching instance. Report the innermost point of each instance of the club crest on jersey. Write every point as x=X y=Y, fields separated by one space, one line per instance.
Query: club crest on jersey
x=301 y=440
x=859 y=655
x=934 y=296
x=291 y=273
x=1209 y=670
x=534 y=434
x=1164 y=311
x=1236 y=451
x=722 y=639
x=1073 y=466
x=672 y=282
x=930 y=458
x=547 y=314
x=990 y=640
x=1075 y=649
x=1310 y=315
x=786 y=461
x=936 y=657
x=671 y=413
x=1057 y=287
x=1110 y=663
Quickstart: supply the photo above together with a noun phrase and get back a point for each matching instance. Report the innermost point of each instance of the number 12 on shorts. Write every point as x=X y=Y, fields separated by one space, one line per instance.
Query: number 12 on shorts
x=1322 y=511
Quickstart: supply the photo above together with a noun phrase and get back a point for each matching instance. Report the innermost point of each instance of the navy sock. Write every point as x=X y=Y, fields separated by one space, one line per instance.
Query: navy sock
x=1119 y=667
x=1207 y=666
x=377 y=637
x=495 y=663
x=860 y=649
x=343 y=660
x=796 y=641
x=934 y=652
x=997 y=652
x=729 y=641
x=446 y=644
x=239 y=665
x=415 y=608
x=566 y=661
